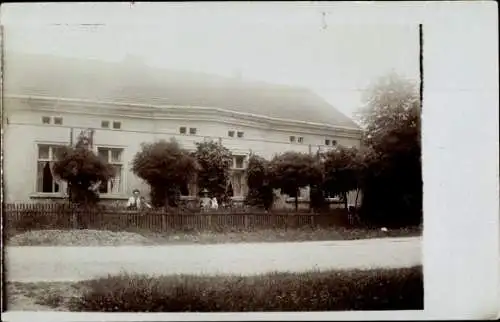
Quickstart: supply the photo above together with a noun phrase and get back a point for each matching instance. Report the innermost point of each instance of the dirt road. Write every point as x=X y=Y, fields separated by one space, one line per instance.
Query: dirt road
x=31 y=264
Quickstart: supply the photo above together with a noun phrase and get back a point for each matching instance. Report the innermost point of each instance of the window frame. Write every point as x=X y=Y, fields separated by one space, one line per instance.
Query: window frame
x=58 y=118
x=230 y=133
x=300 y=139
x=235 y=162
x=105 y=122
x=46 y=118
x=191 y=132
x=327 y=142
x=292 y=139
x=121 y=184
x=51 y=158
x=192 y=188
x=119 y=123
x=237 y=180
x=183 y=130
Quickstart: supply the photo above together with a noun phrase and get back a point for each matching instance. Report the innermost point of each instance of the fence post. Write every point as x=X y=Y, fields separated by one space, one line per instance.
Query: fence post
x=74 y=217
x=209 y=221
x=245 y=219
x=164 y=221
x=312 y=221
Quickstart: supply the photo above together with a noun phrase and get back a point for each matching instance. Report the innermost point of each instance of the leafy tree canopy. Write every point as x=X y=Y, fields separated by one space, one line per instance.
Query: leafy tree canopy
x=257 y=171
x=215 y=163
x=165 y=166
x=82 y=169
x=293 y=170
x=391 y=116
x=342 y=168
x=260 y=193
x=392 y=178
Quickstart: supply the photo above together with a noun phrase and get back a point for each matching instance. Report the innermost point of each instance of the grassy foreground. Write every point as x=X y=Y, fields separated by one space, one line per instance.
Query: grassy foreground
x=110 y=238
x=378 y=289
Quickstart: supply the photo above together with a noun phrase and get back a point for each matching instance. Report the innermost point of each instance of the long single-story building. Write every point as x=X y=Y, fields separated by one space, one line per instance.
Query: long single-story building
x=48 y=101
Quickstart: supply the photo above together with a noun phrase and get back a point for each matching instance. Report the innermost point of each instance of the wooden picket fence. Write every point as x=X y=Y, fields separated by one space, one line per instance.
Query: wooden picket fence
x=22 y=217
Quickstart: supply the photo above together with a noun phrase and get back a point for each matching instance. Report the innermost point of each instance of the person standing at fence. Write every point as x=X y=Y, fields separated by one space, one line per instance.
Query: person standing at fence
x=205 y=201
x=137 y=201
x=214 y=204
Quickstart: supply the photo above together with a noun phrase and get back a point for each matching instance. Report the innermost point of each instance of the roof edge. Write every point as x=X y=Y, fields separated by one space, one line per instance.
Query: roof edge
x=74 y=101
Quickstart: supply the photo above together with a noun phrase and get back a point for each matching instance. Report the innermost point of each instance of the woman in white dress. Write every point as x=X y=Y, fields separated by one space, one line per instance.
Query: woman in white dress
x=214 y=204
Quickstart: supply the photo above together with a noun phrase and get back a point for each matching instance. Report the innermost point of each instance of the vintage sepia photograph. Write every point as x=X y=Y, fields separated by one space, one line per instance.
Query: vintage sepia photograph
x=175 y=158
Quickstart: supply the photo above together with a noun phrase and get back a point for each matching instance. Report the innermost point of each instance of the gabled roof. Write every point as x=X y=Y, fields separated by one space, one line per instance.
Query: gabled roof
x=132 y=82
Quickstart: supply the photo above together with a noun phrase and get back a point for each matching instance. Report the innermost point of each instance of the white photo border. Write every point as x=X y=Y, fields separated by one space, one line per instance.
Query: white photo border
x=460 y=154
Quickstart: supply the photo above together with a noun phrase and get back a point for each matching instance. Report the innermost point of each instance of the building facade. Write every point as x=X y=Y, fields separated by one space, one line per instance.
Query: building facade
x=39 y=118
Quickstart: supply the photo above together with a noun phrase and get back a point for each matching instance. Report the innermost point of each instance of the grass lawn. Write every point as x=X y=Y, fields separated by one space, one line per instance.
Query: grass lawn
x=378 y=289
x=111 y=238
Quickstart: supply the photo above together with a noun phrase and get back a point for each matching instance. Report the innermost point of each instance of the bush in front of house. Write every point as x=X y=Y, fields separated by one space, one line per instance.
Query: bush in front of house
x=378 y=289
x=165 y=166
x=260 y=193
x=292 y=170
x=215 y=162
x=83 y=170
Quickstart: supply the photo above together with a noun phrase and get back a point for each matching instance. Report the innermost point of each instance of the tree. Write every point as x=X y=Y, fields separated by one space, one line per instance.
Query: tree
x=291 y=171
x=317 y=198
x=260 y=192
x=215 y=162
x=392 y=176
x=341 y=171
x=165 y=166
x=83 y=170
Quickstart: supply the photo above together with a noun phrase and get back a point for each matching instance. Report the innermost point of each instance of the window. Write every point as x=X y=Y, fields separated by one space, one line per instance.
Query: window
x=292 y=139
x=300 y=139
x=114 y=157
x=45 y=119
x=229 y=189
x=45 y=180
x=184 y=189
x=192 y=130
x=58 y=120
x=239 y=161
x=292 y=193
x=303 y=193
x=330 y=142
x=182 y=130
x=230 y=134
x=189 y=188
x=117 y=125
x=193 y=186
x=240 y=134
x=105 y=124
x=236 y=184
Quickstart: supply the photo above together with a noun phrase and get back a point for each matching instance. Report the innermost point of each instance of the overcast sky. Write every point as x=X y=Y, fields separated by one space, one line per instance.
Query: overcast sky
x=283 y=43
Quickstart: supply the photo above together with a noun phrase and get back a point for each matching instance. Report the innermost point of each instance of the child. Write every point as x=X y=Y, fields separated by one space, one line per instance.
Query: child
x=214 y=204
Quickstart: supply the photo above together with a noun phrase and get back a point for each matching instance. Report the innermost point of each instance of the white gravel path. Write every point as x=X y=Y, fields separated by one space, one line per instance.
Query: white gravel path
x=31 y=264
